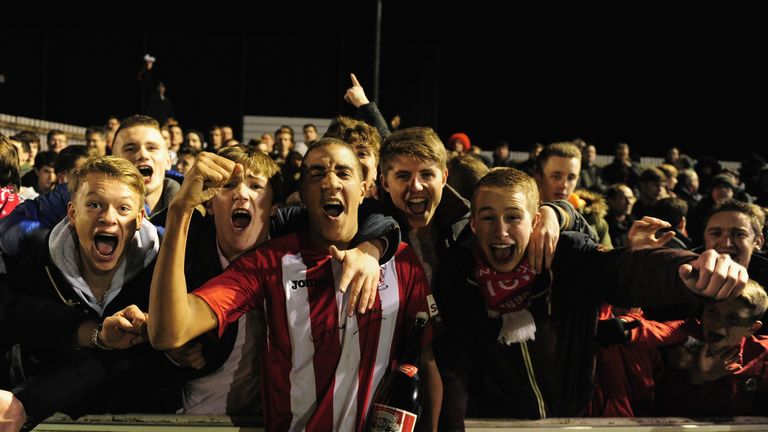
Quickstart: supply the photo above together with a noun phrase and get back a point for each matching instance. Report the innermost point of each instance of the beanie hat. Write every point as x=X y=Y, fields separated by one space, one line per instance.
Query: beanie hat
x=460 y=136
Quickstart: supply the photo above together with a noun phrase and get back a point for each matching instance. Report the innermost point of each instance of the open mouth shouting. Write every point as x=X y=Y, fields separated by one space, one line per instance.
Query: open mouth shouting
x=105 y=245
x=417 y=205
x=146 y=171
x=333 y=207
x=713 y=337
x=728 y=251
x=502 y=252
x=241 y=219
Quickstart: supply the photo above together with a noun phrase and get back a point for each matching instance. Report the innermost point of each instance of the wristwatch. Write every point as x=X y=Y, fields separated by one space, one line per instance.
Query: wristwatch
x=96 y=342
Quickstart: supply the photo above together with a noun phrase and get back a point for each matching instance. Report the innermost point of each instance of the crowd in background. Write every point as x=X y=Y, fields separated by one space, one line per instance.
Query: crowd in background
x=149 y=217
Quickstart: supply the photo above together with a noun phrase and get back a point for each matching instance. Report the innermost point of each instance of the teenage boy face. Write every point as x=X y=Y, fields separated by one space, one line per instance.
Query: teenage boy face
x=503 y=223
x=241 y=212
x=46 y=178
x=368 y=160
x=58 y=142
x=730 y=232
x=97 y=141
x=724 y=324
x=144 y=147
x=415 y=187
x=105 y=213
x=332 y=191
x=558 y=178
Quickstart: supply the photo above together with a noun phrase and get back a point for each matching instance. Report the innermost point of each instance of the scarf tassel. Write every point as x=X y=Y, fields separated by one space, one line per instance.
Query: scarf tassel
x=517 y=327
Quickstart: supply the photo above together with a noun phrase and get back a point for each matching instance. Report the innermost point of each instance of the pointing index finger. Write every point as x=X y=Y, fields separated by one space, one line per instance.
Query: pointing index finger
x=355 y=82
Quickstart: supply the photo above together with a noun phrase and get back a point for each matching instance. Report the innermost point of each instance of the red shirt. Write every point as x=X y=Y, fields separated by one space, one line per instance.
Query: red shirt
x=8 y=201
x=320 y=367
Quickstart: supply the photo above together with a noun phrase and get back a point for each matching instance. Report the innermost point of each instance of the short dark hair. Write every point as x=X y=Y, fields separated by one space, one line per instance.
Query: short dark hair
x=465 y=171
x=615 y=190
x=309 y=125
x=134 y=121
x=45 y=158
x=325 y=142
x=53 y=132
x=670 y=209
x=95 y=130
x=67 y=158
x=565 y=149
x=187 y=151
x=27 y=137
x=754 y=213
x=652 y=175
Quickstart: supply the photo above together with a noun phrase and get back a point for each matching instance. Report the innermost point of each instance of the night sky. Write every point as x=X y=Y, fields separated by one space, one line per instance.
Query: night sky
x=689 y=74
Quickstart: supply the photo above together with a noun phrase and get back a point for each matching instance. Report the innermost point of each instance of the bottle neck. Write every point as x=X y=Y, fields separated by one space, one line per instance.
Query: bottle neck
x=412 y=354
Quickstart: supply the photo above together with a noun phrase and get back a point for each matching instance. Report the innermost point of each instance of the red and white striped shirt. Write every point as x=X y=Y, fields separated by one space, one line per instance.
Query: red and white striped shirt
x=320 y=367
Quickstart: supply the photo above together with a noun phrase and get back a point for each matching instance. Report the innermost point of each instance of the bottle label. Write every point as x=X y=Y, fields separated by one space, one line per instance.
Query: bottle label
x=389 y=419
x=409 y=370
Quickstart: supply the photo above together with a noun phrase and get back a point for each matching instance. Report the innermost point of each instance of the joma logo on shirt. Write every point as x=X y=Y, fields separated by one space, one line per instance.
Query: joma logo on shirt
x=306 y=283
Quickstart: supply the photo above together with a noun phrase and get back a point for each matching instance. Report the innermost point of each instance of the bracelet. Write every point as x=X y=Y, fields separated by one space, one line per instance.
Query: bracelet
x=96 y=342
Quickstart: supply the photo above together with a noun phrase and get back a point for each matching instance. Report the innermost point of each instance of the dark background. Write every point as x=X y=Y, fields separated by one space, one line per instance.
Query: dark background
x=690 y=74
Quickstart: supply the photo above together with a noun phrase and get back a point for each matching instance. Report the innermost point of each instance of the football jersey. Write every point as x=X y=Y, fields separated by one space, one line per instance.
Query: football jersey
x=320 y=367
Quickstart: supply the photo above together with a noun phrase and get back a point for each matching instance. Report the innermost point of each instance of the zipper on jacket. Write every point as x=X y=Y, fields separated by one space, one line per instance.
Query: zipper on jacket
x=50 y=278
x=549 y=292
x=532 y=379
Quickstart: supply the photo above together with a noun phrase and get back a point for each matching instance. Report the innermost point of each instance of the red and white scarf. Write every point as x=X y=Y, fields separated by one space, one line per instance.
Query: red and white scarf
x=8 y=201
x=507 y=295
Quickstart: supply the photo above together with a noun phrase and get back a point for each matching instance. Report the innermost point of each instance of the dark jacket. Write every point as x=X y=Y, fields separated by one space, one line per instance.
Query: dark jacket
x=618 y=172
x=370 y=114
x=79 y=381
x=23 y=231
x=591 y=177
x=553 y=375
x=159 y=108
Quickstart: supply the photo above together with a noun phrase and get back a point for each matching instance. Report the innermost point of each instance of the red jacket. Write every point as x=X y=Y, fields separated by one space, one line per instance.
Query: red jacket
x=625 y=375
x=741 y=394
x=631 y=380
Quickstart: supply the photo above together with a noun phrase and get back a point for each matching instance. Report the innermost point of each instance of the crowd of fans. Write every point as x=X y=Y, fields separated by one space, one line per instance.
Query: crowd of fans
x=164 y=270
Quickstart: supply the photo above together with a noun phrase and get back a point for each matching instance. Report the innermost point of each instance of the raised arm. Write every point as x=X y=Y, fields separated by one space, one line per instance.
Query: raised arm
x=177 y=317
x=556 y=216
x=367 y=110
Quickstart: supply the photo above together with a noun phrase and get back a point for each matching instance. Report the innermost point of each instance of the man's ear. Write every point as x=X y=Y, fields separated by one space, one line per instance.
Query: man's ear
x=757 y=325
x=536 y=218
x=384 y=183
x=472 y=223
x=140 y=218
x=445 y=176
x=71 y=213
x=759 y=240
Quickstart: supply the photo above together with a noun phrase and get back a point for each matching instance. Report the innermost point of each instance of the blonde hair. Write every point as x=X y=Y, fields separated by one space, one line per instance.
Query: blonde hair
x=755 y=298
x=420 y=143
x=110 y=166
x=515 y=181
x=259 y=163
